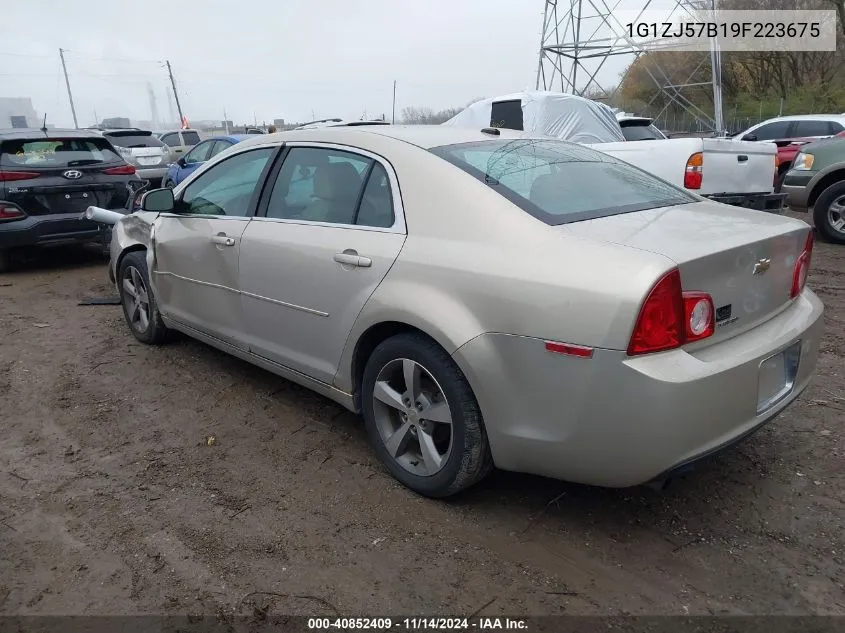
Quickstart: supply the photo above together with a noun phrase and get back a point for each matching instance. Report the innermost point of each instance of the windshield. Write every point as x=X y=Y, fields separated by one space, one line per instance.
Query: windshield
x=642 y=132
x=135 y=140
x=71 y=152
x=559 y=182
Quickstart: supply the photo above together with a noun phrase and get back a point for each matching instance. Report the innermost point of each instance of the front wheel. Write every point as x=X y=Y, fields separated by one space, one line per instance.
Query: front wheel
x=829 y=213
x=139 y=304
x=422 y=417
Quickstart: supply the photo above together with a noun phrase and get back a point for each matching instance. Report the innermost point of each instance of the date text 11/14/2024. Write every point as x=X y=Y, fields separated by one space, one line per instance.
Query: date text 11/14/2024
x=417 y=624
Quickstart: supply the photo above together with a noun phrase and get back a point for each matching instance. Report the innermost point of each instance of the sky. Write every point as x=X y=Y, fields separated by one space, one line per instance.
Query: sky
x=258 y=60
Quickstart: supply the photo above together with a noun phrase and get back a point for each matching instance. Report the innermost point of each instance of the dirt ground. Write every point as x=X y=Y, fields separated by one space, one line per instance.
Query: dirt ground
x=112 y=501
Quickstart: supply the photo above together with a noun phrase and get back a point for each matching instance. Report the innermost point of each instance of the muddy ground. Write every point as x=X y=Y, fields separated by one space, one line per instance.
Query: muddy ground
x=112 y=501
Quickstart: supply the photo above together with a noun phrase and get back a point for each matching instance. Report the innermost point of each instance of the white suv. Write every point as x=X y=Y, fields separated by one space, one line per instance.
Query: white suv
x=803 y=126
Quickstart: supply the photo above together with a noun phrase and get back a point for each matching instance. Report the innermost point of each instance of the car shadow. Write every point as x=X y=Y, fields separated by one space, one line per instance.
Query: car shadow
x=56 y=258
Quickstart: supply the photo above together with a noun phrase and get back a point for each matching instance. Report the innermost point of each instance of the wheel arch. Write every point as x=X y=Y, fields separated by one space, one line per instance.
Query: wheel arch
x=826 y=181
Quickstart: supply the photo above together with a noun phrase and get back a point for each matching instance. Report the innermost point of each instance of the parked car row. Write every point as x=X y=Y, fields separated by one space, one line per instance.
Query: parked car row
x=454 y=286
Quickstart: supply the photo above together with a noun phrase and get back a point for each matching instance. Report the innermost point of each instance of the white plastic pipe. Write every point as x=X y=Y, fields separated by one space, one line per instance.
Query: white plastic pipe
x=103 y=216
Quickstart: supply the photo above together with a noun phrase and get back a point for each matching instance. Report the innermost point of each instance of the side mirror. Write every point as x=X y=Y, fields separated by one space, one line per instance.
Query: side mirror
x=181 y=161
x=750 y=137
x=159 y=200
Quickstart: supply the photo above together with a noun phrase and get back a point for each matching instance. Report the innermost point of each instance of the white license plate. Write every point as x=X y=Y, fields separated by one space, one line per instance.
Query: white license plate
x=153 y=160
x=777 y=377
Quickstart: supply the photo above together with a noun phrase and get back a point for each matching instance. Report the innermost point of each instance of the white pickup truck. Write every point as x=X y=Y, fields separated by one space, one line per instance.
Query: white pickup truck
x=733 y=172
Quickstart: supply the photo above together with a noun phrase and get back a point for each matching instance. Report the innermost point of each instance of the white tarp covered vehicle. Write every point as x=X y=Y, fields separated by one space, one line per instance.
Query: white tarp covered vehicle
x=734 y=172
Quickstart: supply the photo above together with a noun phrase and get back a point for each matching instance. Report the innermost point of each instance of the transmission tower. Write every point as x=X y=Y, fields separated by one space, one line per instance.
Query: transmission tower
x=579 y=37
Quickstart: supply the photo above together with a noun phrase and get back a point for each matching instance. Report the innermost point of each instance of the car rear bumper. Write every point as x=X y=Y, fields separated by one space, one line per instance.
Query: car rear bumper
x=614 y=420
x=58 y=228
x=151 y=173
x=771 y=202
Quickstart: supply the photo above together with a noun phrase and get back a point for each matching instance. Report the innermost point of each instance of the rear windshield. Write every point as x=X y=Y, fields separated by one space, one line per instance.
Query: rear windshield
x=137 y=140
x=641 y=132
x=559 y=182
x=69 y=152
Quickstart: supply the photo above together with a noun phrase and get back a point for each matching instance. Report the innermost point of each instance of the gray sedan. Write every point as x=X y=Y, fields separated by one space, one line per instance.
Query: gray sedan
x=482 y=298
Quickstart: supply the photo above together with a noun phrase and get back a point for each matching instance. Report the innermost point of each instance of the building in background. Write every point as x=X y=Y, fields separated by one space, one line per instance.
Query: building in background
x=18 y=112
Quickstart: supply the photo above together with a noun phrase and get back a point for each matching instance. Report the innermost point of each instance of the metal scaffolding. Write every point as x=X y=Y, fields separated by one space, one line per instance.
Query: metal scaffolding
x=580 y=36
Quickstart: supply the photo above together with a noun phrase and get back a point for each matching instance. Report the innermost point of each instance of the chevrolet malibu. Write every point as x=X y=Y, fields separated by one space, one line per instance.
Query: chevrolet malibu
x=483 y=299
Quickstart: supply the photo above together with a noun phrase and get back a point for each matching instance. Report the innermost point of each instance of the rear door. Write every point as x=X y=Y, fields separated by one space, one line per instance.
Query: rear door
x=196 y=248
x=48 y=177
x=332 y=228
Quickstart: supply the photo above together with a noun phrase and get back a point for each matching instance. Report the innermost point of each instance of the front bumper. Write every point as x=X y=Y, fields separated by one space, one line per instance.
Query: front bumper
x=618 y=421
x=771 y=202
x=796 y=186
x=53 y=229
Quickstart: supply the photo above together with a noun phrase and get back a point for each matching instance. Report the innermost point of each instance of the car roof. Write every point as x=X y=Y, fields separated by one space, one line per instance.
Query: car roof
x=235 y=138
x=799 y=117
x=31 y=132
x=424 y=136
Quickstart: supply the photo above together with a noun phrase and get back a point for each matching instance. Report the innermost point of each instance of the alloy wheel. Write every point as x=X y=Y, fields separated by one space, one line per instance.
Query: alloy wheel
x=836 y=215
x=136 y=299
x=413 y=417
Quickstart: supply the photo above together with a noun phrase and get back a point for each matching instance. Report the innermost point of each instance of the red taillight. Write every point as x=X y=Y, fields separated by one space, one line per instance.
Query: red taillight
x=123 y=170
x=802 y=267
x=6 y=176
x=671 y=317
x=10 y=211
x=694 y=172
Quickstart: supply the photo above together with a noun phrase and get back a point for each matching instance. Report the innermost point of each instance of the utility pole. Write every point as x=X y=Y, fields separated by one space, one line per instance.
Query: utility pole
x=393 y=119
x=175 y=94
x=69 y=93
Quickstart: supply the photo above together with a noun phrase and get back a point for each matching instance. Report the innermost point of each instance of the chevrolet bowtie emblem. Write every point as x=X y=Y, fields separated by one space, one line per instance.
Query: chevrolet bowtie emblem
x=762 y=266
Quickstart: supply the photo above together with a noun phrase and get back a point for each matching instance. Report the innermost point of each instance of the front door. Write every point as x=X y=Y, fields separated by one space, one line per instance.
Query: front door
x=329 y=235
x=196 y=248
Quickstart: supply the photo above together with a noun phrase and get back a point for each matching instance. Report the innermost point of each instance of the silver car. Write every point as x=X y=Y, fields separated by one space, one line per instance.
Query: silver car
x=143 y=150
x=483 y=299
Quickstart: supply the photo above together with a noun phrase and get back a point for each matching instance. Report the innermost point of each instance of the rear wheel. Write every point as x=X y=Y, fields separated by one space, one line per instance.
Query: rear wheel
x=829 y=213
x=139 y=304
x=422 y=417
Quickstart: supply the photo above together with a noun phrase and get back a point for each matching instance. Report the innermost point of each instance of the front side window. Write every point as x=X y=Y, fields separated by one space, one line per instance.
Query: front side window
x=319 y=185
x=770 y=131
x=228 y=187
x=200 y=153
x=219 y=146
x=559 y=182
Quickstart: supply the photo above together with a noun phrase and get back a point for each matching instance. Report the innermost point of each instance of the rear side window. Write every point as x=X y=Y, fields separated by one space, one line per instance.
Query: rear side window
x=190 y=138
x=131 y=141
x=72 y=152
x=559 y=182
x=810 y=127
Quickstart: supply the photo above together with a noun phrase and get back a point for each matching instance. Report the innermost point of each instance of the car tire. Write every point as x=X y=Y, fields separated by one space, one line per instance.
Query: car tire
x=829 y=213
x=466 y=457
x=168 y=184
x=142 y=317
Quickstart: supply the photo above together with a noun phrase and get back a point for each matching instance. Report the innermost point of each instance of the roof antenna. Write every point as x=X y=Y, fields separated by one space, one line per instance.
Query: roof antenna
x=44 y=124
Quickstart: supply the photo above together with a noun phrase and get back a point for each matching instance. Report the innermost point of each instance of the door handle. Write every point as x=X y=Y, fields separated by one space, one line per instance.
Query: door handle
x=353 y=259
x=223 y=240
x=742 y=158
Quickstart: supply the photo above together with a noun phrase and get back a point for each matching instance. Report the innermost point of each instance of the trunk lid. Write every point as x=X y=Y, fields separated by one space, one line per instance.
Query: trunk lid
x=717 y=248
